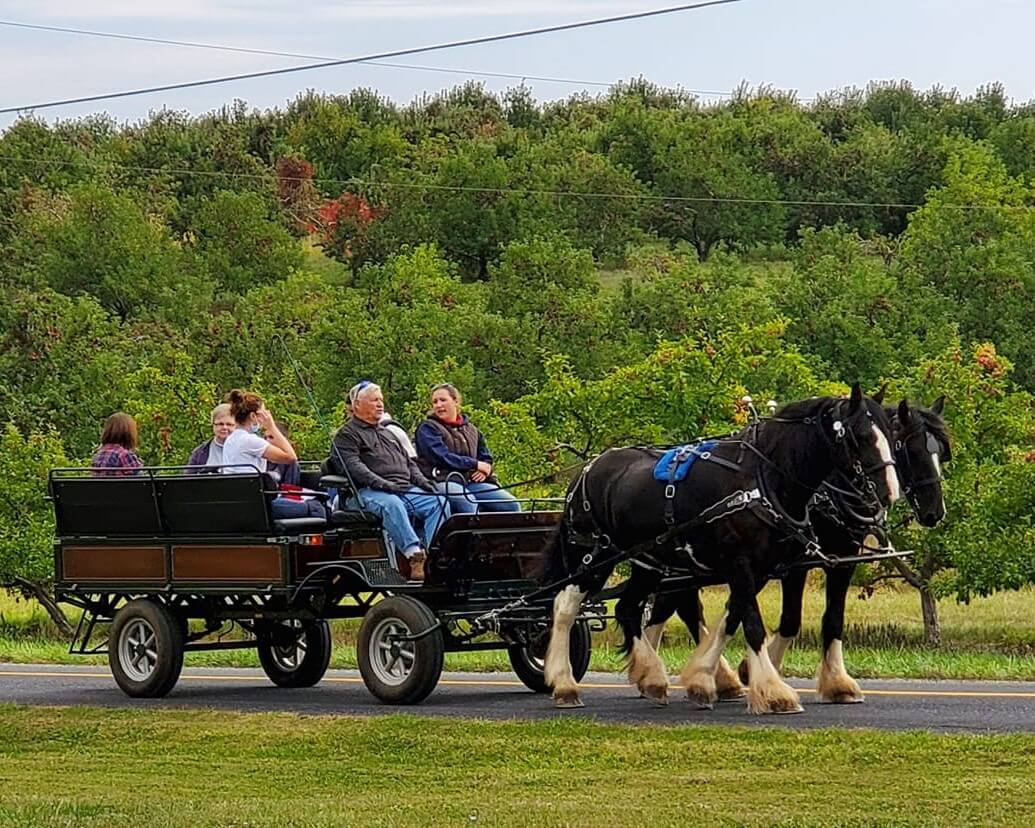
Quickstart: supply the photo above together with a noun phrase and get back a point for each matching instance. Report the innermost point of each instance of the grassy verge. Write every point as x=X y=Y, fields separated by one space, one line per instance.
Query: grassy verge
x=131 y=767
x=992 y=638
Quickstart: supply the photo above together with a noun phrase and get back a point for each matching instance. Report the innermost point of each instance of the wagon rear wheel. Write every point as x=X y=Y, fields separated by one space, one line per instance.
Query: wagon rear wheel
x=145 y=649
x=528 y=659
x=400 y=671
x=295 y=653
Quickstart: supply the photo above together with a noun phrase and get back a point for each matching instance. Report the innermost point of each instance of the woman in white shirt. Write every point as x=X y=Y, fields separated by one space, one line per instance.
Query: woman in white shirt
x=244 y=450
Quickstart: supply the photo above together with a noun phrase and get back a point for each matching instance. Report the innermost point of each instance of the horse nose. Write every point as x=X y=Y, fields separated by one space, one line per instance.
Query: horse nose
x=931 y=517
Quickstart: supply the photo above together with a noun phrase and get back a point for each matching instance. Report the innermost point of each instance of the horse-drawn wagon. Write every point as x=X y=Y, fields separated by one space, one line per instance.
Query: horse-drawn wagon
x=167 y=562
x=153 y=551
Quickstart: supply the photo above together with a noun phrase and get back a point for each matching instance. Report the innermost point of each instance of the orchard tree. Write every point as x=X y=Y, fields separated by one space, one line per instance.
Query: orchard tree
x=27 y=518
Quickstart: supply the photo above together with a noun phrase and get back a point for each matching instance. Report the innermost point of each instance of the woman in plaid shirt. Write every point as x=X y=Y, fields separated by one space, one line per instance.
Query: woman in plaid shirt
x=117 y=456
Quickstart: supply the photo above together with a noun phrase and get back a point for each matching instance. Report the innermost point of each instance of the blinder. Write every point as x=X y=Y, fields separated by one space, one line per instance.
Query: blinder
x=910 y=484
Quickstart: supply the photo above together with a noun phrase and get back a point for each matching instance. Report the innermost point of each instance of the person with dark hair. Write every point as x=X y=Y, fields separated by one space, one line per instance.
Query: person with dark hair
x=117 y=455
x=452 y=452
x=389 y=482
x=210 y=453
x=245 y=449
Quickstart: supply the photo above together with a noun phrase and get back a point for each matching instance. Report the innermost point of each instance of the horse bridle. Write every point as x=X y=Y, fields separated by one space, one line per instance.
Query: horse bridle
x=905 y=467
x=845 y=440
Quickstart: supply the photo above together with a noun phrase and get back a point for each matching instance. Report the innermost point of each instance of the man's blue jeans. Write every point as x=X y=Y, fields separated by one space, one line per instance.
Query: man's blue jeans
x=478 y=497
x=397 y=513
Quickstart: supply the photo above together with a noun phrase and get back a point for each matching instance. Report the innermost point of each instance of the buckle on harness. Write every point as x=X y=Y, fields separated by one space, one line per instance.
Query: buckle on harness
x=670 y=491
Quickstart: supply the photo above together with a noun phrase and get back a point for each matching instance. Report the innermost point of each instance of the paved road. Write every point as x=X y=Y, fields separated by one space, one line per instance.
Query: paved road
x=979 y=707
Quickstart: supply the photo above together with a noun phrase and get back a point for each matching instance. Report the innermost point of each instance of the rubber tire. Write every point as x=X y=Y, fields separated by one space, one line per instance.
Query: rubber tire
x=580 y=645
x=429 y=651
x=314 y=664
x=168 y=647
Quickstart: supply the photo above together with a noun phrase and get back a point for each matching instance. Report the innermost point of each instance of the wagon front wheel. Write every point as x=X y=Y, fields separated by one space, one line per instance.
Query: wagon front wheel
x=295 y=653
x=395 y=667
x=528 y=659
x=145 y=649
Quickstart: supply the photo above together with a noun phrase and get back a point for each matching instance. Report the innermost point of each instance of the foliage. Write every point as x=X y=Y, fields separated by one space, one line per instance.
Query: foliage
x=26 y=518
x=759 y=246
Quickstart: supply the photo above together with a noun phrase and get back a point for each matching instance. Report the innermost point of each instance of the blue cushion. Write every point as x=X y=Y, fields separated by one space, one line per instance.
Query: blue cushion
x=674 y=464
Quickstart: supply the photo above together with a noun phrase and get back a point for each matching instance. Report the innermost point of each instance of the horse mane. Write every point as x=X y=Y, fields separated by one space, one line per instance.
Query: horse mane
x=803 y=408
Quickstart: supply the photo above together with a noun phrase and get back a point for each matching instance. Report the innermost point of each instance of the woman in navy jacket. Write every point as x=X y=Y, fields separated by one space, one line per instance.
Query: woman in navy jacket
x=451 y=451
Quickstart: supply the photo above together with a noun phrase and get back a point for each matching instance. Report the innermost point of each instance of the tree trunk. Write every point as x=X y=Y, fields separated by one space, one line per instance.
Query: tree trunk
x=932 y=627
x=44 y=596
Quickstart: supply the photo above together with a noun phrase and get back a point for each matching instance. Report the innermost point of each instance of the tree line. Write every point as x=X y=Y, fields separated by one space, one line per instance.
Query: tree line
x=589 y=272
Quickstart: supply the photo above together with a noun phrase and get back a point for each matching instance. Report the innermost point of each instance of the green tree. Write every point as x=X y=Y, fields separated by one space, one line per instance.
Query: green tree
x=238 y=244
x=27 y=519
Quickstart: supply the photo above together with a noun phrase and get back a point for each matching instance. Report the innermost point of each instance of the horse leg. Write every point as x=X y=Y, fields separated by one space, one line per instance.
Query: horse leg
x=727 y=686
x=767 y=692
x=557 y=668
x=646 y=669
x=834 y=685
x=698 y=676
x=792 y=591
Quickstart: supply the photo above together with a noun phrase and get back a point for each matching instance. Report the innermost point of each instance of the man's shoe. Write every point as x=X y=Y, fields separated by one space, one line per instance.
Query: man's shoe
x=416 y=561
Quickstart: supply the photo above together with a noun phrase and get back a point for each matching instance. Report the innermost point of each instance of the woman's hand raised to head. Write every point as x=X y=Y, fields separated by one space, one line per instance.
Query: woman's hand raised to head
x=265 y=419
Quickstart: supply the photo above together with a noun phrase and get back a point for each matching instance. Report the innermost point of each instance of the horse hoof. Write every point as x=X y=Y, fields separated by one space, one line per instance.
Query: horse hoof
x=567 y=700
x=701 y=701
x=733 y=694
x=843 y=698
x=655 y=695
x=789 y=711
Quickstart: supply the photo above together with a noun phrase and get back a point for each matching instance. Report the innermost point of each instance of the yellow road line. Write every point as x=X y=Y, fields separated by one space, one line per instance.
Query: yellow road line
x=976 y=694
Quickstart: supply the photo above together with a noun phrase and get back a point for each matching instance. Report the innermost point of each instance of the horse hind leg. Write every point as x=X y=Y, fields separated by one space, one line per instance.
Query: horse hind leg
x=727 y=686
x=557 y=668
x=698 y=676
x=646 y=669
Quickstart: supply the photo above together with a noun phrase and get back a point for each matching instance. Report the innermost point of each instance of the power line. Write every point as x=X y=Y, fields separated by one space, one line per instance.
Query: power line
x=652 y=197
x=221 y=47
x=324 y=64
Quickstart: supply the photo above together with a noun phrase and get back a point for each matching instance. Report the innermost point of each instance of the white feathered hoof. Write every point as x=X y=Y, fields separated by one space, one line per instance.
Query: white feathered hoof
x=700 y=689
x=567 y=699
x=655 y=694
x=773 y=697
x=842 y=689
x=728 y=685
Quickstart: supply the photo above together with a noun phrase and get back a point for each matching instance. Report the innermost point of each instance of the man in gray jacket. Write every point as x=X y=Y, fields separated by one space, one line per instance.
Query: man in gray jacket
x=390 y=483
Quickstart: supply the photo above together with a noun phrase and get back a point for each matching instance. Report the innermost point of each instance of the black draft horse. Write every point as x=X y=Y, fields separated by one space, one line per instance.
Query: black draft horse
x=921 y=447
x=741 y=512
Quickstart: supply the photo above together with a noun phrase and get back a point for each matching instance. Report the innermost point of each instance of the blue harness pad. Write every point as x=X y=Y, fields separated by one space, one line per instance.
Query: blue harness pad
x=674 y=465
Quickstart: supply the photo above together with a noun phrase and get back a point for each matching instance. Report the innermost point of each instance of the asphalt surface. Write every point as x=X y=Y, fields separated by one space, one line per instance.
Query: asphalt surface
x=942 y=706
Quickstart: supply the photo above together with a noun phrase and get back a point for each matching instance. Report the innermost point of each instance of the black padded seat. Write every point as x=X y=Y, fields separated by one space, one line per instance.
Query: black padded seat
x=355 y=517
x=300 y=525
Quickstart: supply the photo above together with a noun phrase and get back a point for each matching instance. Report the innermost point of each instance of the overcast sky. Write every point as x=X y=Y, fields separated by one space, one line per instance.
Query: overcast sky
x=805 y=45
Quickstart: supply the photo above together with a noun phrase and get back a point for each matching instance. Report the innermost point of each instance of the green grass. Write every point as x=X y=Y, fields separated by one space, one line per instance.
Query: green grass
x=992 y=638
x=161 y=768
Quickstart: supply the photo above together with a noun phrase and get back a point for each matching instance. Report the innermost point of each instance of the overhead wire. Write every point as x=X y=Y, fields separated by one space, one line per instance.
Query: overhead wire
x=530 y=191
x=325 y=64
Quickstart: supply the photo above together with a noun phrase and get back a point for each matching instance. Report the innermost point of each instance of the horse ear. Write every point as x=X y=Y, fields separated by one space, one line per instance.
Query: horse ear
x=903 y=412
x=938 y=405
x=855 y=401
x=879 y=396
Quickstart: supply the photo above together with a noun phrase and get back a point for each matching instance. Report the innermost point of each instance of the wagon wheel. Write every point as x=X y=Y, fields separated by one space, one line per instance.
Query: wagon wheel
x=528 y=659
x=400 y=671
x=295 y=653
x=145 y=649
